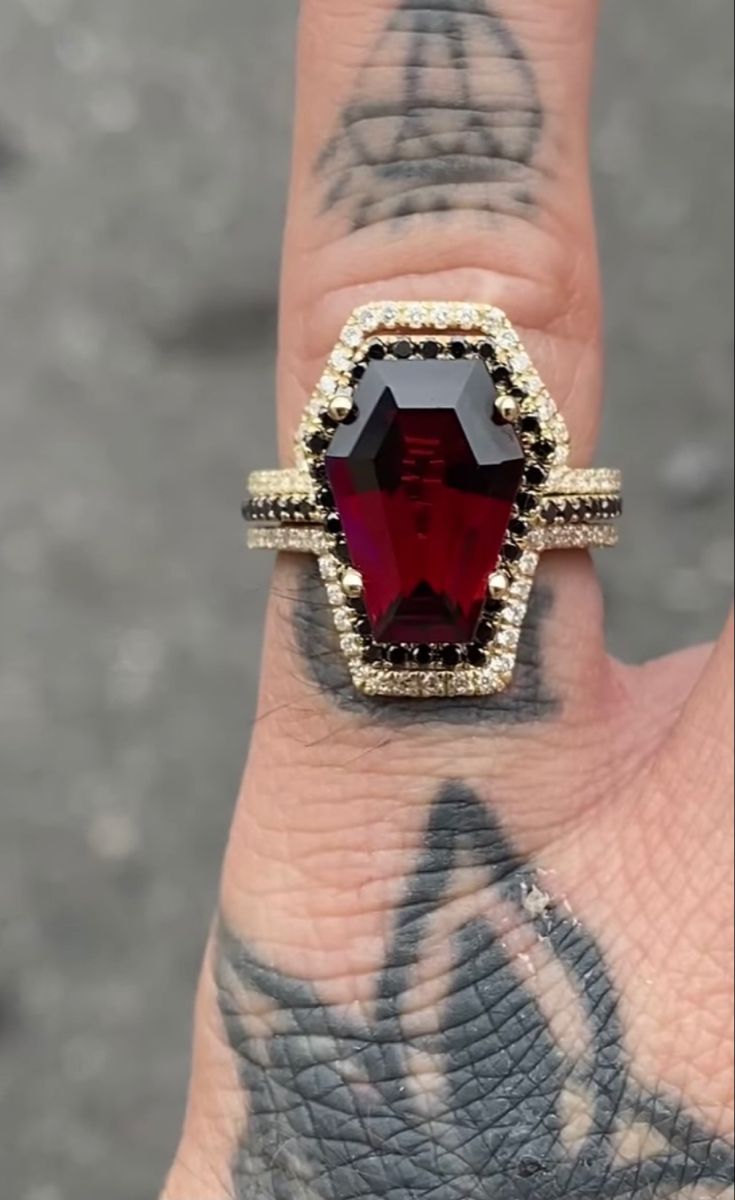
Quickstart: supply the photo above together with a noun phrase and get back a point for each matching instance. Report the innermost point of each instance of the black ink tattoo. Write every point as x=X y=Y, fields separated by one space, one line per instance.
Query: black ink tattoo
x=445 y=116
x=506 y=1078
x=528 y=699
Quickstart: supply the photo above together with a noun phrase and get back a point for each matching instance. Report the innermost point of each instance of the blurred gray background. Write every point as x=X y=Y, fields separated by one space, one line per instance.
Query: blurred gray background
x=143 y=159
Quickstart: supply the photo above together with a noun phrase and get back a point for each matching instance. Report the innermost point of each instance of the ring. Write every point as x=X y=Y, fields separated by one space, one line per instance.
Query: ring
x=431 y=472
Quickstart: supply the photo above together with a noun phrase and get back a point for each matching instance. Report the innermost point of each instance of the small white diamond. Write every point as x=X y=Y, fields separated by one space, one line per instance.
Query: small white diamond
x=328 y=569
x=514 y=613
x=545 y=408
x=335 y=595
x=351 y=645
x=389 y=315
x=520 y=589
x=504 y=665
x=369 y=319
x=441 y=316
x=507 y=639
x=416 y=316
x=467 y=317
x=520 y=362
x=431 y=684
x=528 y=563
x=341 y=359
x=462 y=684
x=352 y=336
x=344 y=619
x=328 y=386
x=507 y=340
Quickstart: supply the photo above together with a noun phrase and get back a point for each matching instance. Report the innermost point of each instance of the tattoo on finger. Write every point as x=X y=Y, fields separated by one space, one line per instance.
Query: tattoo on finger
x=445 y=116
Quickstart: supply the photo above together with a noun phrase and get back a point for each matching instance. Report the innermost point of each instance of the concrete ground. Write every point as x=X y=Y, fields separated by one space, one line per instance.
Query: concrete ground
x=143 y=156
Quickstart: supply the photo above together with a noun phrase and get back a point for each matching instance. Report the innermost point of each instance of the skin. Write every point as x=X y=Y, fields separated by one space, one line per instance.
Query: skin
x=485 y=949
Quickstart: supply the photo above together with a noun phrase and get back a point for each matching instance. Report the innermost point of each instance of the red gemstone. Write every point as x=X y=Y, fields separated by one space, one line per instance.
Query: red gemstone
x=424 y=481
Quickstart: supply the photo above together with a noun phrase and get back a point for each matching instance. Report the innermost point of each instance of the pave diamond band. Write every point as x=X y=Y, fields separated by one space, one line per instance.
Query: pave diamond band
x=582 y=501
x=431 y=470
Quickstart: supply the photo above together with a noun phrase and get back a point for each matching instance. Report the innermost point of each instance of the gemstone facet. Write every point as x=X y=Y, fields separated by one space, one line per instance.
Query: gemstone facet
x=424 y=481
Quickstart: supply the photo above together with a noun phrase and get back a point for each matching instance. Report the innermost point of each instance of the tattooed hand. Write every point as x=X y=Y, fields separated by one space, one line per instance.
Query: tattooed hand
x=482 y=949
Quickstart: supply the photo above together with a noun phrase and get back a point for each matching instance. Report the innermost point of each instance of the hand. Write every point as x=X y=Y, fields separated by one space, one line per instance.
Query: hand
x=466 y=949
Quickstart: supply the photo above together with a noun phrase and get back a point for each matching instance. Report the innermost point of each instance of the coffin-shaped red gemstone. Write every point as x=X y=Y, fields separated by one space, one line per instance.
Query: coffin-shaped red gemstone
x=424 y=481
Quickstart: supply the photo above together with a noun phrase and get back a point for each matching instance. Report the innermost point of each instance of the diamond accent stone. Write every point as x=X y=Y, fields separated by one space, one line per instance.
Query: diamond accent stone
x=352 y=336
x=416 y=316
x=341 y=360
x=344 y=619
x=328 y=386
x=351 y=645
x=467 y=317
x=328 y=569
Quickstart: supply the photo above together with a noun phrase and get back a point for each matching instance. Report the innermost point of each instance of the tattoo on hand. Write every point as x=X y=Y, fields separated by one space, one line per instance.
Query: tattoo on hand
x=445 y=116
x=492 y=1065
x=528 y=699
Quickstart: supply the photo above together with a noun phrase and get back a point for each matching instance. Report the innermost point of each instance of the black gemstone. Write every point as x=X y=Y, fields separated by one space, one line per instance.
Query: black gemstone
x=403 y=350
x=317 y=442
x=376 y=351
x=486 y=351
x=527 y=502
x=396 y=655
x=518 y=528
x=342 y=552
x=357 y=373
x=303 y=509
x=333 y=524
x=535 y=475
x=458 y=349
x=476 y=655
x=363 y=628
x=485 y=633
x=530 y=425
x=511 y=552
x=551 y=513
x=545 y=448
x=430 y=350
x=450 y=656
x=324 y=498
x=422 y=655
x=502 y=378
x=373 y=654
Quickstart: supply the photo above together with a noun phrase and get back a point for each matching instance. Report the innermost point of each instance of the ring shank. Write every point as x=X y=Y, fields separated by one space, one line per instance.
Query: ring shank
x=580 y=509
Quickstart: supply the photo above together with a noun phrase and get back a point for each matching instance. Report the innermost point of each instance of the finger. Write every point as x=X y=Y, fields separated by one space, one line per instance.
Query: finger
x=441 y=152
x=441 y=149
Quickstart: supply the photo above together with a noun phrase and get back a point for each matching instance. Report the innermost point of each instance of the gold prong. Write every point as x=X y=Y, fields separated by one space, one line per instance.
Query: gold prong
x=498 y=585
x=352 y=583
x=507 y=408
x=340 y=406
